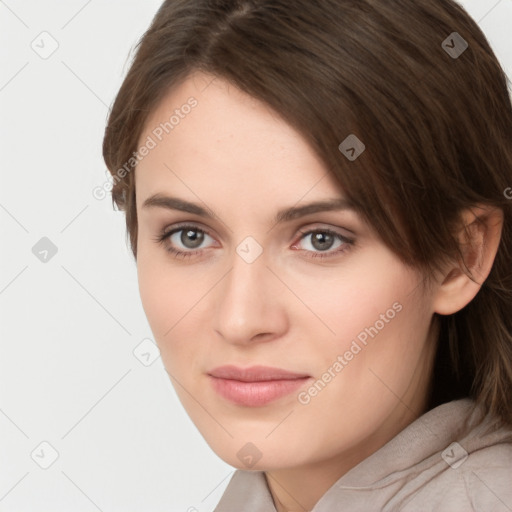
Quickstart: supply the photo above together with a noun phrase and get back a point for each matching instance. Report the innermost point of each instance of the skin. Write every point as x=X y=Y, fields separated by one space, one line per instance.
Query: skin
x=286 y=309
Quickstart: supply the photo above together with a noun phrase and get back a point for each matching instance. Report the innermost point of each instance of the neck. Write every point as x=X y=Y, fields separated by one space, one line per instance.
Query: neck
x=298 y=489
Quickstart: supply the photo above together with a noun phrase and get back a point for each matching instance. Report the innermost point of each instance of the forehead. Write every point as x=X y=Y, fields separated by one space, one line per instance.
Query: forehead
x=228 y=142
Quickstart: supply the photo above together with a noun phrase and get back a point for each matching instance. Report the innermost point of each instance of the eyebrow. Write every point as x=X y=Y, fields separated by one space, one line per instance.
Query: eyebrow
x=284 y=215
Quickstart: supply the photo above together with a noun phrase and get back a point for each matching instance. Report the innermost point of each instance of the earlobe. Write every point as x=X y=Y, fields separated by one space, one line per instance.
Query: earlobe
x=479 y=240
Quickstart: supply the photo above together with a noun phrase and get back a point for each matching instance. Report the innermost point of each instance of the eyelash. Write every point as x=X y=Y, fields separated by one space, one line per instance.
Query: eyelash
x=164 y=235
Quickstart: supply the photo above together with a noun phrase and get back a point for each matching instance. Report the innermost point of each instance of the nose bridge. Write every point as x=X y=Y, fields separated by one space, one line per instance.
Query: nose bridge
x=245 y=307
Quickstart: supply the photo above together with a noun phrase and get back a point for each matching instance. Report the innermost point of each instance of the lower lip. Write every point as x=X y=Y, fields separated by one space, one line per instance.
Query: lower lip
x=255 y=394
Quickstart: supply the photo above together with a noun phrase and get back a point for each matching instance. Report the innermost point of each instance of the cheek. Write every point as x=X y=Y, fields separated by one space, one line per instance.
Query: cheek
x=152 y=293
x=373 y=318
x=163 y=294
x=171 y=299
x=382 y=349
x=343 y=306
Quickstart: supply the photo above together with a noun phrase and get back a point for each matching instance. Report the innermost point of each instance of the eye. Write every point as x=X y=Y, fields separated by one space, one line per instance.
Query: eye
x=190 y=238
x=323 y=240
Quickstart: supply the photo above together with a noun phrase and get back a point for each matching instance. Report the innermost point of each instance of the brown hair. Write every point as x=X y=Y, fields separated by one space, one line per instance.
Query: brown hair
x=437 y=127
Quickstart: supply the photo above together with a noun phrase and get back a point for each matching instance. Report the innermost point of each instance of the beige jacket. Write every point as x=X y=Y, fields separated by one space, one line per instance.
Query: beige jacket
x=445 y=461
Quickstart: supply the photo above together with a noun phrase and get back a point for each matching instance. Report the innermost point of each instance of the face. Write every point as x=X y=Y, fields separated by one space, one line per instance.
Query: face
x=314 y=293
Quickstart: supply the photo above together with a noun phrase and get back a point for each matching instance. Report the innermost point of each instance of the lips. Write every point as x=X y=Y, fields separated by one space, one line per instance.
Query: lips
x=255 y=373
x=256 y=386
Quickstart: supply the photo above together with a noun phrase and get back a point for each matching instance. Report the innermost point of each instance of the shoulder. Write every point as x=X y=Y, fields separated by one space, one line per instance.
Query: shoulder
x=473 y=474
x=487 y=476
x=469 y=467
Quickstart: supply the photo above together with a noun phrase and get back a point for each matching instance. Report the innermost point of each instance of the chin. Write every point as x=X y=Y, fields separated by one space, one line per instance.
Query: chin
x=257 y=455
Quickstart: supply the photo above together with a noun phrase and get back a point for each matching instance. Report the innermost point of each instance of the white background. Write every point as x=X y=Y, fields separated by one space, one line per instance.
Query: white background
x=69 y=326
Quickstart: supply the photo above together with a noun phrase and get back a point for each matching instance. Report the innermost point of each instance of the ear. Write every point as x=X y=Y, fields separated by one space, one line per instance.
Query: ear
x=479 y=239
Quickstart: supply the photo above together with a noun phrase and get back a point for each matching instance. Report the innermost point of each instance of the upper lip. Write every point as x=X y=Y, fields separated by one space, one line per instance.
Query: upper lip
x=254 y=373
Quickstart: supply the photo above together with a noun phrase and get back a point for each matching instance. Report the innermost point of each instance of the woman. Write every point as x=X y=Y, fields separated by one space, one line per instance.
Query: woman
x=316 y=199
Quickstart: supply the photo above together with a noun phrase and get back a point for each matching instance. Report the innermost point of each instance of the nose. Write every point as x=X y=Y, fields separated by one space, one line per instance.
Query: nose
x=250 y=302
